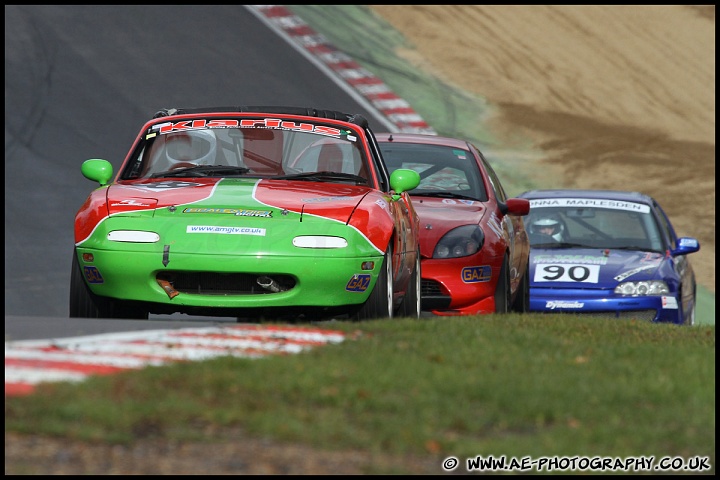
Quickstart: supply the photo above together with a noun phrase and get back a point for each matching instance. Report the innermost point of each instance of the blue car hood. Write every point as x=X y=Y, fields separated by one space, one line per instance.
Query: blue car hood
x=591 y=267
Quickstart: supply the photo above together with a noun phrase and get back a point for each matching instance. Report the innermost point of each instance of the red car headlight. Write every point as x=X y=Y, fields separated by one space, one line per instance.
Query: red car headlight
x=460 y=242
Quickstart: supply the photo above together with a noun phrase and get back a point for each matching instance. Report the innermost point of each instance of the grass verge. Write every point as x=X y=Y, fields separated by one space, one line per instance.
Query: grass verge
x=514 y=385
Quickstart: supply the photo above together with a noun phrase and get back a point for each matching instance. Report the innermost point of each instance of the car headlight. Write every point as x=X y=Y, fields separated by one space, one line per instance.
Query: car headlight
x=644 y=288
x=460 y=242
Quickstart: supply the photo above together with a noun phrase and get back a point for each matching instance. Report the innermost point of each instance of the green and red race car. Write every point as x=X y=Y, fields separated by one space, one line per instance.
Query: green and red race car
x=248 y=212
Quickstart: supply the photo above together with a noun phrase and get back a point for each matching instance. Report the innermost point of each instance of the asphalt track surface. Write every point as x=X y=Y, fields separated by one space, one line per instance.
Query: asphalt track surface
x=79 y=83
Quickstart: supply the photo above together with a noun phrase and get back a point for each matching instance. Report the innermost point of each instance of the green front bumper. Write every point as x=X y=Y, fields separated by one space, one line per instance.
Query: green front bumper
x=323 y=280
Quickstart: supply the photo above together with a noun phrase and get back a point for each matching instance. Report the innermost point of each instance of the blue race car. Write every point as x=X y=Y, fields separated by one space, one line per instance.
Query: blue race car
x=610 y=254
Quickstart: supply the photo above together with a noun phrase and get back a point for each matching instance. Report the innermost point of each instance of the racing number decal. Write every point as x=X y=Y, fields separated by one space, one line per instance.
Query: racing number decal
x=547 y=272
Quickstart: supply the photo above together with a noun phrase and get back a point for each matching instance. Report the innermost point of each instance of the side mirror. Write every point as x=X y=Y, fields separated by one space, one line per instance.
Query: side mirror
x=98 y=170
x=402 y=180
x=685 y=245
x=515 y=206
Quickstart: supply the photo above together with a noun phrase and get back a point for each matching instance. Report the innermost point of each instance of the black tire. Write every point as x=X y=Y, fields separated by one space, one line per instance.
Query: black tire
x=521 y=304
x=410 y=306
x=85 y=304
x=690 y=319
x=502 y=290
x=380 y=303
x=689 y=316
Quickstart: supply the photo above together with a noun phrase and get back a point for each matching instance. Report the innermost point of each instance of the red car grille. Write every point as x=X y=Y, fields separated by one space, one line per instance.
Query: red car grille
x=430 y=288
x=432 y=296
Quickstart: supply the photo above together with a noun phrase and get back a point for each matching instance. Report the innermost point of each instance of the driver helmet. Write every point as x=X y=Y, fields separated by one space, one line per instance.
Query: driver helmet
x=191 y=146
x=548 y=225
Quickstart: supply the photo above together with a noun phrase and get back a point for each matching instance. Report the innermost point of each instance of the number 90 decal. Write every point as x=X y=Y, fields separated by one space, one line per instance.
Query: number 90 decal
x=545 y=272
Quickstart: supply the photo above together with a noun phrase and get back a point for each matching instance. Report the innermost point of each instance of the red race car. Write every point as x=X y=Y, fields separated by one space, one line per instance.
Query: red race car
x=473 y=244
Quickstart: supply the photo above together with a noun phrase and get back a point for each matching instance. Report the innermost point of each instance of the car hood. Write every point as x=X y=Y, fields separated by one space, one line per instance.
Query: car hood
x=604 y=268
x=242 y=197
x=436 y=219
x=183 y=210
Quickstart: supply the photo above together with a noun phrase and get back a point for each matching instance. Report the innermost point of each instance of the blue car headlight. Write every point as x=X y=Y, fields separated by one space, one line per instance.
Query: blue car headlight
x=644 y=288
x=460 y=242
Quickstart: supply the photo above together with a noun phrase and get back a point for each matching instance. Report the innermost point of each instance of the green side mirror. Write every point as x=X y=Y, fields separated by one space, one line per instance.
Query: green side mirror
x=404 y=179
x=98 y=170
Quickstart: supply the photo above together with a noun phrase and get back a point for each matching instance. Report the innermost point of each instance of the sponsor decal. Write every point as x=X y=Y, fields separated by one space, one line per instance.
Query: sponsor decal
x=225 y=230
x=92 y=275
x=232 y=211
x=566 y=273
x=168 y=184
x=324 y=199
x=688 y=242
x=590 y=202
x=461 y=154
x=669 y=303
x=476 y=274
x=553 y=304
x=272 y=123
x=449 y=201
x=632 y=272
x=358 y=283
x=129 y=203
x=651 y=257
x=467 y=202
x=579 y=259
x=381 y=203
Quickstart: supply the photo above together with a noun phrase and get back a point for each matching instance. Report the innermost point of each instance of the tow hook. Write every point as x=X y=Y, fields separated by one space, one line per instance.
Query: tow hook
x=167 y=286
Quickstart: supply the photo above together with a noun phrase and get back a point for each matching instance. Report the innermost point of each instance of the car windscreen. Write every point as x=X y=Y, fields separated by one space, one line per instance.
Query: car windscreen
x=441 y=168
x=258 y=152
x=592 y=223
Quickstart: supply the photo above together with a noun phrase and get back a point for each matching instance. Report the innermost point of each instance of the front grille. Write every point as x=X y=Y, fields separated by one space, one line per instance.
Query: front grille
x=430 y=288
x=432 y=296
x=213 y=283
